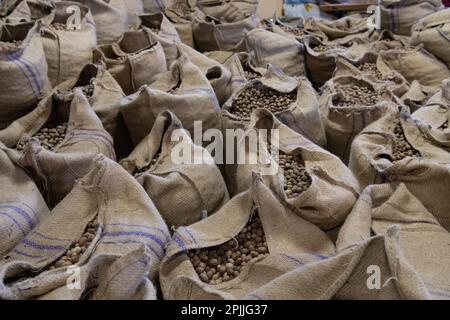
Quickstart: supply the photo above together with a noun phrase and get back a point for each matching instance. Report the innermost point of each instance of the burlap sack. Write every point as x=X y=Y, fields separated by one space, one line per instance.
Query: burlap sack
x=290 y=239
x=181 y=14
x=268 y=47
x=321 y=65
x=242 y=69
x=159 y=27
x=55 y=172
x=218 y=76
x=417 y=64
x=396 y=82
x=340 y=28
x=303 y=116
x=383 y=207
x=371 y=158
x=184 y=90
x=435 y=112
x=386 y=40
x=121 y=262
x=105 y=100
x=32 y=10
x=110 y=17
x=21 y=204
x=184 y=193
x=333 y=189
x=433 y=32
x=68 y=51
x=342 y=124
x=351 y=275
x=399 y=16
x=135 y=60
x=229 y=11
x=417 y=95
x=23 y=70
x=214 y=34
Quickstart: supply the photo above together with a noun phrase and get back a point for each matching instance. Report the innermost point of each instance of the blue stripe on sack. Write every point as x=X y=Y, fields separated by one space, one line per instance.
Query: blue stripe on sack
x=179 y=242
x=20 y=211
x=140 y=226
x=30 y=82
x=37 y=74
x=14 y=221
x=321 y=257
x=49 y=238
x=190 y=234
x=159 y=255
x=16 y=55
x=26 y=205
x=293 y=259
x=39 y=246
x=26 y=254
x=135 y=233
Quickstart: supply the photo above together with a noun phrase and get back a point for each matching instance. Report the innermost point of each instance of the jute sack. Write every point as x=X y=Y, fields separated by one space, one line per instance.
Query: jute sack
x=242 y=69
x=417 y=64
x=383 y=207
x=104 y=99
x=56 y=171
x=158 y=26
x=435 y=112
x=183 y=191
x=290 y=239
x=135 y=60
x=342 y=124
x=68 y=51
x=167 y=35
x=417 y=95
x=384 y=74
x=181 y=13
x=366 y=267
x=340 y=28
x=386 y=40
x=218 y=76
x=399 y=16
x=212 y=34
x=32 y=10
x=184 y=90
x=347 y=276
x=433 y=32
x=321 y=65
x=372 y=160
x=333 y=189
x=230 y=11
x=302 y=116
x=110 y=17
x=268 y=47
x=160 y=29
x=21 y=204
x=23 y=68
x=121 y=261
